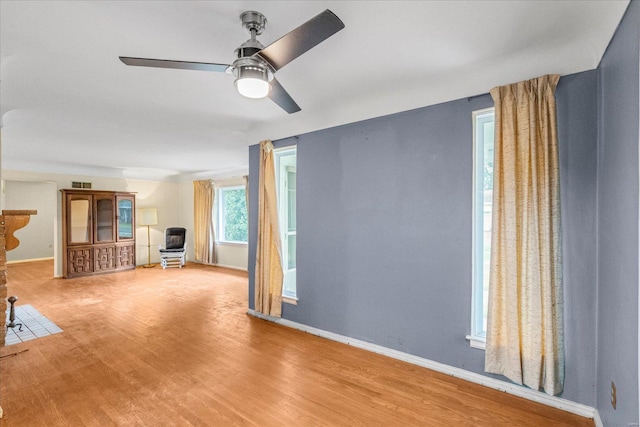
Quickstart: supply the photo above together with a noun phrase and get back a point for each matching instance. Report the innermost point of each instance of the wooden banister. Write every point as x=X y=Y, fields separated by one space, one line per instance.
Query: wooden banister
x=13 y=221
x=10 y=221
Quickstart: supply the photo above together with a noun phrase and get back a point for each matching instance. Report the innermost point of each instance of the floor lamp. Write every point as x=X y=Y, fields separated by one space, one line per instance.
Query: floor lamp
x=148 y=217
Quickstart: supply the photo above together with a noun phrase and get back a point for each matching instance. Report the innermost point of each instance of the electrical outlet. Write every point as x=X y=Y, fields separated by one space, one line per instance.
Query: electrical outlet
x=614 y=397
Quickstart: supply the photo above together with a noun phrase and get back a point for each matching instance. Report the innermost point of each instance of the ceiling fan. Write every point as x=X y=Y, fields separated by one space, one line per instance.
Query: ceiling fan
x=256 y=65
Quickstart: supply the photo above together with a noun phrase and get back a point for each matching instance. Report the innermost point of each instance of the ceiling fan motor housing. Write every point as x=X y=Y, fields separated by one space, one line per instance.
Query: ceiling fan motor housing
x=252 y=71
x=248 y=48
x=246 y=65
x=253 y=21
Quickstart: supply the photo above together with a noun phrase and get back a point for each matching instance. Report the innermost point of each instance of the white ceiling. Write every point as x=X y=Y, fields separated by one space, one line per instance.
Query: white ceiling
x=69 y=105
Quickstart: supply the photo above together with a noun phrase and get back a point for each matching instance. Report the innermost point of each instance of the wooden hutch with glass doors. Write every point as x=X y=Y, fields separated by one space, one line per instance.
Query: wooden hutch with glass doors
x=98 y=229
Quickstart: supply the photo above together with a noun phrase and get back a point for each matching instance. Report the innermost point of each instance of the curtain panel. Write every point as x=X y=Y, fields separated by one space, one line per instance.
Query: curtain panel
x=269 y=274
x=204 y=232
x=525 y=337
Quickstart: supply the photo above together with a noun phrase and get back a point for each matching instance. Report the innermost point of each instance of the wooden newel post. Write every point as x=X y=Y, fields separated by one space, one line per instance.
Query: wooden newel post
x=3 y=280
x=10 y=221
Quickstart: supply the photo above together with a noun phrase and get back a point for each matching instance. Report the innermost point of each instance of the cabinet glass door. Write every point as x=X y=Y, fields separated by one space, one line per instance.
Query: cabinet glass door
x=125 y=218
x=104 y=220
x=79 y=221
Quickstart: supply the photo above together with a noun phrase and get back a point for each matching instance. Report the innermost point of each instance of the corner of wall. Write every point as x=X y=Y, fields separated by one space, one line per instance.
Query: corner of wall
x=618 y=224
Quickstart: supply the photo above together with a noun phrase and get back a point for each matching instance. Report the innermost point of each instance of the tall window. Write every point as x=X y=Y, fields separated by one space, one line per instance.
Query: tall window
x=286 y=181
x=231 y=204
x=483 y=124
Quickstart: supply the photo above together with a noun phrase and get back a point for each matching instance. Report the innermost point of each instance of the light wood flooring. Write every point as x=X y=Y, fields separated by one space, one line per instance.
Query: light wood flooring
x=175 y=347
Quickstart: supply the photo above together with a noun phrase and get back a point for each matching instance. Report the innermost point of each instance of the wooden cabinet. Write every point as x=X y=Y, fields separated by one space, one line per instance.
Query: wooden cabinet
x=98 y=230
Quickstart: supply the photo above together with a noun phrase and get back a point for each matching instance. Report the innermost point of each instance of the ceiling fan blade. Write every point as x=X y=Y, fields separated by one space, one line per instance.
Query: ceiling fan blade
x=298 y=41
x=281 y=97
x=182 y=65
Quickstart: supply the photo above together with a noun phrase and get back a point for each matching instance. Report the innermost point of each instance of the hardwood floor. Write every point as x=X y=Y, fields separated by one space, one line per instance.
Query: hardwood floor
x=175 y=347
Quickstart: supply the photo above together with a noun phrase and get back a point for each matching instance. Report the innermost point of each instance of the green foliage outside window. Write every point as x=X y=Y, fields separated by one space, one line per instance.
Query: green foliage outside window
x=234 y=209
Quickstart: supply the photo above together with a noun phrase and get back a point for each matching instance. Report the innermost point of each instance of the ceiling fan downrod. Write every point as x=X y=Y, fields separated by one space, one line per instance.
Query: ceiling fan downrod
x=252 y=73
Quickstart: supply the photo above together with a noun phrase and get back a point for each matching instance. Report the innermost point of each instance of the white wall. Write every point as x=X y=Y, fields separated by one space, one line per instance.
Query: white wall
x=165 y=198
x=232 y=256
x=37 y=238
x=186 y=216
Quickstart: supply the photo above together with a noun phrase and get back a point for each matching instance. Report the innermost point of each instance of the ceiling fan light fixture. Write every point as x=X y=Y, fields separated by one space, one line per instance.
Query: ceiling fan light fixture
x=252 y=81
x=253 y=88
x=255 y=65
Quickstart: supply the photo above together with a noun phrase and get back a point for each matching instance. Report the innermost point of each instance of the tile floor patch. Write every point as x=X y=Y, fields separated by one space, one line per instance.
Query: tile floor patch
x=34 y=325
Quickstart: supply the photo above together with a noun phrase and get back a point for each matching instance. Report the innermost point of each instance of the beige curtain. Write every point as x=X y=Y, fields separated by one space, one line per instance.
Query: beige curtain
x=525 y=339
x=203 y=198
x=269 y=276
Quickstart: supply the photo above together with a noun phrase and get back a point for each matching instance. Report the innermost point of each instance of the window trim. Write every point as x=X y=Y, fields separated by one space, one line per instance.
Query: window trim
x=219 y=216
x=476 y=339
x=288 y=297
x=290 y=300
x=225 y=243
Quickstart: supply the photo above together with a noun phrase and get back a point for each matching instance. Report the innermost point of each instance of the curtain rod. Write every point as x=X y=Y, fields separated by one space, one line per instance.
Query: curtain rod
x=469 y=98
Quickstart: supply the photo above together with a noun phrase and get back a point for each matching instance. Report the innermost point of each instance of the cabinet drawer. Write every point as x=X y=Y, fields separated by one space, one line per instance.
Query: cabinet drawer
x=79 y=261
x=126 y=256
x=104 y=258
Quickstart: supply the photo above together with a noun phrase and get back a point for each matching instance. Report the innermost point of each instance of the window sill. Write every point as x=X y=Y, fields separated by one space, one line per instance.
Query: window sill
x=290 y=300
x=476 y=342
x=231 y=243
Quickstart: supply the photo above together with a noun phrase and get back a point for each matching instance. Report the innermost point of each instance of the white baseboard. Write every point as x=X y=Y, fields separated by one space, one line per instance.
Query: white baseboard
x=596 y=419
x=232 y=267
x=17 y=261
x=514 y=389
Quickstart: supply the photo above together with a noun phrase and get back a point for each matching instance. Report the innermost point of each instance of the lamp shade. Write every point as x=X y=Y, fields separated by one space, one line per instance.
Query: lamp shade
x=148 y=216
x=252 y=88
x=252 y=81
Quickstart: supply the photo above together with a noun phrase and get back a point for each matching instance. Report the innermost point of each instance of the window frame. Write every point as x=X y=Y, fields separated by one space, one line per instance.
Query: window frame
x=287 y=296
x=219 y=215
x=477 y=338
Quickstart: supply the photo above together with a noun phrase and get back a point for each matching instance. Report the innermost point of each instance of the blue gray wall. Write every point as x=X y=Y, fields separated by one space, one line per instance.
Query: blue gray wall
x=384 y=230
x=618 y=223
x=576 y=98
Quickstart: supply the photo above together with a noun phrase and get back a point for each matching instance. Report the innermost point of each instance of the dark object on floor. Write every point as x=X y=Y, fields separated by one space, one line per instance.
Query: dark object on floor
x=173 y=254
x=13 y=354
x=12 y=314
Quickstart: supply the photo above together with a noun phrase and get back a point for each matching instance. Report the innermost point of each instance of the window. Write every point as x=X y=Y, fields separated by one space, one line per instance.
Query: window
x=231 y=204
x=483 y=126
x=285 y=167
